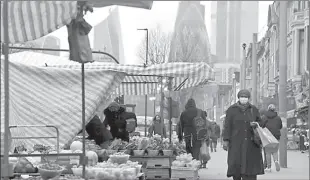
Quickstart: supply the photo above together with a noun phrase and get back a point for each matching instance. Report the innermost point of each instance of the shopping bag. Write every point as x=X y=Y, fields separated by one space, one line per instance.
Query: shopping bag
x=267 y=139
x=204 y=152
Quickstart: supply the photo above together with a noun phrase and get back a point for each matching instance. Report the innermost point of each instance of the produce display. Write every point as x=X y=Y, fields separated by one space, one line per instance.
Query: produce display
x=186 y=160
x=110 y=170
x=24 y=166
x=50 y=170
x=119 y=158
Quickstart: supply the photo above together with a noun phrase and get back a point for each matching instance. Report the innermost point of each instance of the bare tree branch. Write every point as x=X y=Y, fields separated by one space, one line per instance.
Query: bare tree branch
x=159 y=46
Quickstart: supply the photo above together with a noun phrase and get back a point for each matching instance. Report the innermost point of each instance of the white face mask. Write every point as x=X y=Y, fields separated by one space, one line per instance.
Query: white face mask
x=243 y=100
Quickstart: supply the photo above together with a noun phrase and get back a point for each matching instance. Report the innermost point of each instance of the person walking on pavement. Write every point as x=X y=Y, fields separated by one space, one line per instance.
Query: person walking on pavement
x=274 y=124
x=215 y=135
x=244 y=152
x=188 y=130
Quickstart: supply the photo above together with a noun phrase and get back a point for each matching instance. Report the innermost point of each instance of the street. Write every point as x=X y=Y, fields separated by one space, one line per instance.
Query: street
x=298 y=167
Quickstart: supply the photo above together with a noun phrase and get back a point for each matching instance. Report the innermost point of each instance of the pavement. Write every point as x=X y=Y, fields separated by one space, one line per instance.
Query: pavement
x=297 y=162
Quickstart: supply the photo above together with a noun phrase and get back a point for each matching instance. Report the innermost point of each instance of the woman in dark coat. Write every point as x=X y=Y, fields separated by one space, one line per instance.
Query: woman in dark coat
x=115 y=117
x=244 y=155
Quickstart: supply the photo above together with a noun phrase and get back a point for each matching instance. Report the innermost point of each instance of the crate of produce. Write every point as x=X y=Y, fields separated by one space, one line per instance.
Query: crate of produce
x=184 y=173
x=157 y=173
x=160 y=162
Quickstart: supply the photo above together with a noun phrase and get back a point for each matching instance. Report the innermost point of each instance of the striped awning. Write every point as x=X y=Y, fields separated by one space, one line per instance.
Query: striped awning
x=30 y=20
x=138 y=80
x=46 y=89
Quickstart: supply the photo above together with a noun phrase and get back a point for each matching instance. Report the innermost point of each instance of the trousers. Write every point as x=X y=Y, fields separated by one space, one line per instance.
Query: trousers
x=271 y=152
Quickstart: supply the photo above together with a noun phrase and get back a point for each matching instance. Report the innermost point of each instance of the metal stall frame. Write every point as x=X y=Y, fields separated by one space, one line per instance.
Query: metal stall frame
x=6 y=170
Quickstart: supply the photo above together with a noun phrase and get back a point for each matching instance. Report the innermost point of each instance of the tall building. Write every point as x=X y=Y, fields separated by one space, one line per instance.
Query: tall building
x=233 y=23
x=108 y=37
x=221 y=29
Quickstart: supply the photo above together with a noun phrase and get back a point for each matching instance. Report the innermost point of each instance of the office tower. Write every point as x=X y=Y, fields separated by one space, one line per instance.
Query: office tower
x=233 y=23
x=108 y=37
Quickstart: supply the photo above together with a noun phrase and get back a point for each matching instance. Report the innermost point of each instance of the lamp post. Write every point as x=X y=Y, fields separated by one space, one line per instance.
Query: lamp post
x=243 y=68
x=147 y=44
x=283 y=81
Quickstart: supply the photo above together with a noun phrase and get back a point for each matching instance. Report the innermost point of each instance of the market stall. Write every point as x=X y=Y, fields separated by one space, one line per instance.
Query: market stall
x=45 y=91
x=55 y=81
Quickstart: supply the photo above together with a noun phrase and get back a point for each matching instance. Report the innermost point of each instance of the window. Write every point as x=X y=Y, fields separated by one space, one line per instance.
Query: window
x=301 y=60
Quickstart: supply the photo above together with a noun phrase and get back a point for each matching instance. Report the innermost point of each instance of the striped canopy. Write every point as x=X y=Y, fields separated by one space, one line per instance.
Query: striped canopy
x=30 y=20
x=46 y=89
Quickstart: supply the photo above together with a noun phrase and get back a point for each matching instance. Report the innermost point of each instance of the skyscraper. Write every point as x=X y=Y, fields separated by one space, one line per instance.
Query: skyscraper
x=233 y=23
x=108 y=37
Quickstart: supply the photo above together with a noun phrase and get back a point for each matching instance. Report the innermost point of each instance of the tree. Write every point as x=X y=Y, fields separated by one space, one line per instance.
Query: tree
x=159 y=46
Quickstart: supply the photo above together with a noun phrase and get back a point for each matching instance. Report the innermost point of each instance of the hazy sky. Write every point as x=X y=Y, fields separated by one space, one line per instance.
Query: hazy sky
x=162 y=13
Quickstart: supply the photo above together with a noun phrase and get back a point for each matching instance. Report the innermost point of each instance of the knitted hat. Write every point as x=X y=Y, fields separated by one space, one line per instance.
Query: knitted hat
x=114 y=106
x=271 y=107
x=244 y=93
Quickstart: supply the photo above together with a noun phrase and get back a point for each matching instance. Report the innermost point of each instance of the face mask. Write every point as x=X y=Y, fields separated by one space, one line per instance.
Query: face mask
x=243 y=100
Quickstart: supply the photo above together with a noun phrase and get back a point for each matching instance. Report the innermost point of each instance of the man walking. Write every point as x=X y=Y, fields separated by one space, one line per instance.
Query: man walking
x=215 y=135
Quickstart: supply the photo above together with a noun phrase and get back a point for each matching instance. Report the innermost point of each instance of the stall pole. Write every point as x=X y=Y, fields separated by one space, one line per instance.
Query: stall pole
x=145 y=120
x=170 y=108
x=85 y=160
x=5 y=165
x=0 y=76
x=308 y=67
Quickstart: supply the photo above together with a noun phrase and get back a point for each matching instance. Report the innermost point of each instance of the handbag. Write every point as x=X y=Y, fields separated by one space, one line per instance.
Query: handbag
x=256 y=138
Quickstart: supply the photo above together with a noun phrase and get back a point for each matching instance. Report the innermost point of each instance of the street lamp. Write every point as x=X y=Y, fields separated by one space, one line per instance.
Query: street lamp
x=243 y=68
x=147 y=44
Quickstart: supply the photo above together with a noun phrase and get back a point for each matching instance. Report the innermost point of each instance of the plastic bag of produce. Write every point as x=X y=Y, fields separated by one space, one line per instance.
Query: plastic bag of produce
x=204 y=152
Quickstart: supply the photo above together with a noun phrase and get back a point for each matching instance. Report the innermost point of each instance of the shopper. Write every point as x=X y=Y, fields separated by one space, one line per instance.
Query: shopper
x=97 y=131
x=215 y=135
x=188 y=130
x=274 y=125
x=116 y=118
x=244 y=154
x=158 y=127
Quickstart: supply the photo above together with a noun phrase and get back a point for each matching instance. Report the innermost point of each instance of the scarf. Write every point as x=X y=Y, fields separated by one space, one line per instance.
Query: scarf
x=243 y=107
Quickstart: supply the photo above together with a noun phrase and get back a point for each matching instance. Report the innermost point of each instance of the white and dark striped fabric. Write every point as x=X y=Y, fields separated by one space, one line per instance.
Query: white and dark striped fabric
x=30 y=20
x=46 y=89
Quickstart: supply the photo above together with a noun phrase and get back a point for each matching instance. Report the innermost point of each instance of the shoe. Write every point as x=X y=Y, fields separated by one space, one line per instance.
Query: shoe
x=277 y=166
x=268 y=169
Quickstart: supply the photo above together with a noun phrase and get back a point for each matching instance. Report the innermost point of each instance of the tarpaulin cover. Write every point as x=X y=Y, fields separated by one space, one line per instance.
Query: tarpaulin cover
x=46 y=89
x=30 y=20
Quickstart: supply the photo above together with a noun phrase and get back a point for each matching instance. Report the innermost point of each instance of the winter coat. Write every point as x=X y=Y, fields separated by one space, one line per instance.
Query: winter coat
x=187 y=127
x=244 y=156
x=97 y=131
x=273 y=123
x=215 y=131
x=117 y=122
x=158 y=128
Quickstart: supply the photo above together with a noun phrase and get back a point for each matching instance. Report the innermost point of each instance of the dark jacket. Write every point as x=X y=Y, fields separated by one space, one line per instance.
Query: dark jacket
x=186 y=120
x=273 y=123
x=244 y=156
x=117 y=122
x=215 y=131
x=97 y=131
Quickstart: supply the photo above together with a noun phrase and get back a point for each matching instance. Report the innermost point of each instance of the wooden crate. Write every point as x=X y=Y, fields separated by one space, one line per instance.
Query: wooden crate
x=157 y=173
x=158 y=162
x=184 y=173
